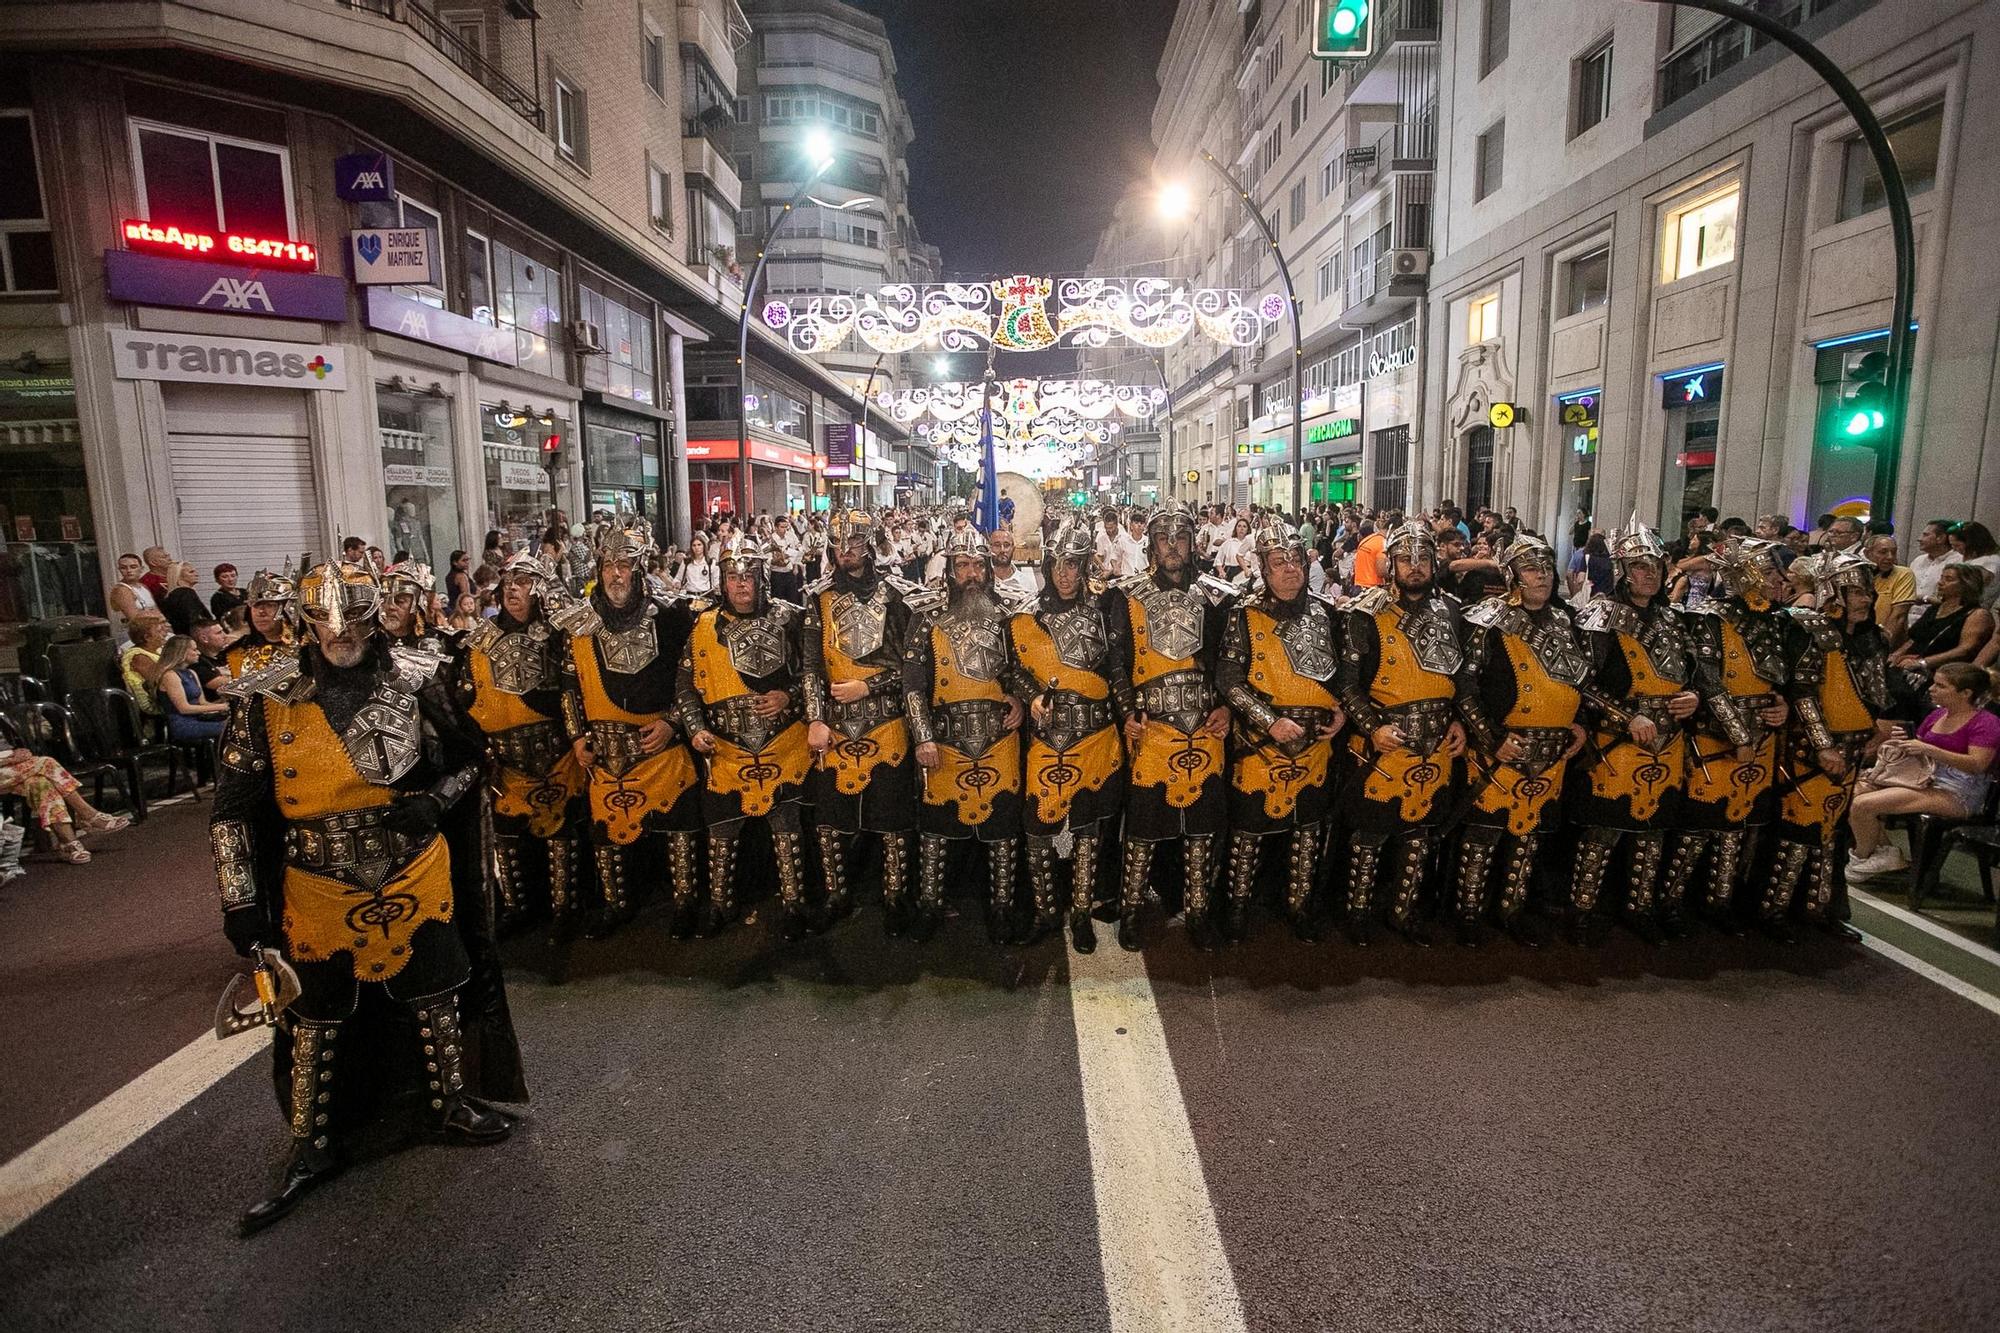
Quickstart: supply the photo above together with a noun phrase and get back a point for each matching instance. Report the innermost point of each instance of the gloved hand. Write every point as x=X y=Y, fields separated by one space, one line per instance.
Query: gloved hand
x=246 y=928
x=414 y=816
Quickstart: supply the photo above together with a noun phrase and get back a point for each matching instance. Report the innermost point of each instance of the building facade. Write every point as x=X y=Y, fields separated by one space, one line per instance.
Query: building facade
x=280 y=271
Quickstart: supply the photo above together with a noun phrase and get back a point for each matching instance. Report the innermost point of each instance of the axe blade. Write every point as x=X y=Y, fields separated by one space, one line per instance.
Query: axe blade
x=245 y=1005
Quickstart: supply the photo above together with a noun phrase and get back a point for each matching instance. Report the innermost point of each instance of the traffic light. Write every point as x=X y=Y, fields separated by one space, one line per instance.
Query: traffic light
x=1344 y=29
x=1863 y=414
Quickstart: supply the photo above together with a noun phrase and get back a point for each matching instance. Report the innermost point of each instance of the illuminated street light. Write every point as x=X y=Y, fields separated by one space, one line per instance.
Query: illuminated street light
x=1175 y=200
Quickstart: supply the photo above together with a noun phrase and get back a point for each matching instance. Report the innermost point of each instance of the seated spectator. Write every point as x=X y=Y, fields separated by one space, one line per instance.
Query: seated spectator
x=57 y=802
x=227 y=596
x=139 y=664
x=1933 y=554
x=130 y=596
x=1960 y=738
x=157 y=562
x=183 y=606
x=210 y=662
x=1975 y=546
x=1895 y=586
x=1955 y=627
x=191 y=714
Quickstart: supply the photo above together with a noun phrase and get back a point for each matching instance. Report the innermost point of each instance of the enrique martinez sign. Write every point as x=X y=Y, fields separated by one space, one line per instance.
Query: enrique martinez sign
x=195 y=359
x=192 y=284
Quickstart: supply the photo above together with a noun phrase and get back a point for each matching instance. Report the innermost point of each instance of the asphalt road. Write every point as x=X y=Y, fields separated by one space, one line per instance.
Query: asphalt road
x=851 y=1133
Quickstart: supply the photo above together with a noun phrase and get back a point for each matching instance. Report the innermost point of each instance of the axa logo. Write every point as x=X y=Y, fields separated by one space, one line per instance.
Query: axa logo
x=368 y=180
x=238 y=294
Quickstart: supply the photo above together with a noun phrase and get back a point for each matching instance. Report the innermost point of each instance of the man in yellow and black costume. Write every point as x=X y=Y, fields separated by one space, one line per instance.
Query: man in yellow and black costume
x=1524 y=674
x=1399 y=680
x=742 y=706
x=1276 y=674
x=343 y=840
x=510 y=681
x=619 y=682
x=273 y=607
x=1166 y=629
x=1073 y=766
x=863 y=779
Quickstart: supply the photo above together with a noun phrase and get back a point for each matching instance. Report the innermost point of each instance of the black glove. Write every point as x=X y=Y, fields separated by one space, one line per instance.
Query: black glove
x=246 y=929
x=414 y=816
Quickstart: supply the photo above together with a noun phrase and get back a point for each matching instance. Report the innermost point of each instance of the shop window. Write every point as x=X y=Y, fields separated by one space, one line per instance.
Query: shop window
x=1701 y=236
x=190 y=178
x=1915 y=140
x=413 y=214
x=1578 y=415
x=517 y=475
x=625 y=368
x=1585 y=283
x=49 y=543
x=1391 y=452
x=1593 y=90
x=528 y=299
x=1842 y=469
x=417 y=476
x=1482 y=323
x=27 y=252
x=1479 y=469
x=1689 y=483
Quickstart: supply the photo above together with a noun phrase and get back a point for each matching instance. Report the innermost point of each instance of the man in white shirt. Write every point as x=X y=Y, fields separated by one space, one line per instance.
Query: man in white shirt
x=1933 y=554
x=1109 y=558
x=1010 y=581
x=1132 y=545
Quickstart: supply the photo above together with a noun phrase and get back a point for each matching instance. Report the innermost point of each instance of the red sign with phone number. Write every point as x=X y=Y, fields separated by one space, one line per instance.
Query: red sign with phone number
x=231 y=247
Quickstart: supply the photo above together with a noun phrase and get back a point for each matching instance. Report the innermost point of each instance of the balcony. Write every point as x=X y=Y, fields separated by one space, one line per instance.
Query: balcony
x=1723 y=47
x=1403 y=25
x=419 y=19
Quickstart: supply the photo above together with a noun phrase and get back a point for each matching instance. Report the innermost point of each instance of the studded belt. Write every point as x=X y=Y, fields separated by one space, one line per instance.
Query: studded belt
x=1073 y=717
x=736 y=721
x=1184 y=698
x=533 y=748
x=615 y=746
x=1747 y=708
x=1544 y=746
x=971 y=727
x=342 y=843
x=857 y=719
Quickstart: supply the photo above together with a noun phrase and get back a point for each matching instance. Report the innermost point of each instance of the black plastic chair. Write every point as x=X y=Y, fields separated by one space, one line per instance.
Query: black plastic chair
x=12 y=804
x=33 y=689
x=1931 y=841
x=108 y=722
x=48 y=729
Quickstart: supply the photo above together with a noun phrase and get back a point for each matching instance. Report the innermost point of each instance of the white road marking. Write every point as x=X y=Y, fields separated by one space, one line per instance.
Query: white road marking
x=1926 y=925
x=1932 y=973
x=40 y=1175
x=1164 y=1266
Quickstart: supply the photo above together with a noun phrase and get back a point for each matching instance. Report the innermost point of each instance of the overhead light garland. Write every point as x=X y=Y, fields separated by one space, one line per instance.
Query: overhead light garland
x=1026 y=411
x=1014 y=315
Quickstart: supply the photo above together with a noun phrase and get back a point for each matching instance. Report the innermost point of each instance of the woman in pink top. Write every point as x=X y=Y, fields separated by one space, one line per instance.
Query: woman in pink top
x=1960 y=738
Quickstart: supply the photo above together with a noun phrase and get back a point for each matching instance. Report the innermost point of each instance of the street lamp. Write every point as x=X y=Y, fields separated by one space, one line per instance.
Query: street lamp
x=1175 y=201
x=817 y=147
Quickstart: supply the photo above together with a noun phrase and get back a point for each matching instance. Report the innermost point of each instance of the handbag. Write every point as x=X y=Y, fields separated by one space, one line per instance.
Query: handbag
x=1896 y=765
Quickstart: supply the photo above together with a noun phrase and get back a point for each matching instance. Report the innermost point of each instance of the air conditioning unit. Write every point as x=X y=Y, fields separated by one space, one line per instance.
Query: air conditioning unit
x=586 y=336
x=1409 y=263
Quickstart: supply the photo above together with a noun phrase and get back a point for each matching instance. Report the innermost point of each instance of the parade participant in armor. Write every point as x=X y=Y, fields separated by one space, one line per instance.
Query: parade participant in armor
x=964 y=726
x=1524 y=671
x=1276 y=674
x=1630 y=778
x=864 y=780
x=271 y=611
x=1073 y=773
x=511 y=683
x=406 y=592
x=1840 y=686
x=1740 y=642
x=618 y=698
x=1398 y=680
x=337 y=774
x=741 y=706
x=1166 y=628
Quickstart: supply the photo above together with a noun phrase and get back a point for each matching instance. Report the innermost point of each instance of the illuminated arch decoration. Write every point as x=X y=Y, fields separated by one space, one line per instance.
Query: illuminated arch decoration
x=1014 y=315
x=1026 y=411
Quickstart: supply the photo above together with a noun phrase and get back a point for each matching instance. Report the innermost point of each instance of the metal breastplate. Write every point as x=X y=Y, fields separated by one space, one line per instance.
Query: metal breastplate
x=1078 y=635
x=1665 y=642
x=1433 y=637
x=1173 y=620
x=1869 y=672
x=1307 y=639
x=1553 y=642
x=1764 y=639
x=627 y=652
x=859 y=624
x=977 y=645
x=383 y=738
x=756 y=644
x=520 y=659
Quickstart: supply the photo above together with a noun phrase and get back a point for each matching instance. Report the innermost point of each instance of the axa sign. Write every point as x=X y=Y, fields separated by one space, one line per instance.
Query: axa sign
x=238 y=294
x=364 y=177
x=193 y=284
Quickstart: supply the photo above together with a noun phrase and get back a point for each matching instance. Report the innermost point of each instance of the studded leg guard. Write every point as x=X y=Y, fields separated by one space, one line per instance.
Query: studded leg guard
x=1243 y=848
x=1002 y=860
x=1042 y=883
x=931 y=853
x=1200 y=855
x=611 y=860
x=1132 y=892
x=1303 y=870
x=562 y=854
x=1683 y=854
x=683 y=870
x=722 y=878
x=1722 y=875
x=1364 y=859
x=1409 y=878
x=895 y=869
x=1517 y=874
x=508 y=877
x=1790 y=863
x=444 y=1047
x=788 y=849
x=1593 y=863
x=1648 y=850
x=833 y=863
x=1475 y=867
x=1819 y=885
x=313 y=1047
x=1083 y=891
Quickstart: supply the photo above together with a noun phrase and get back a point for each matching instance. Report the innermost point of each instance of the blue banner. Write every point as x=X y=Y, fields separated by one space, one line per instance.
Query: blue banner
x=988 y=517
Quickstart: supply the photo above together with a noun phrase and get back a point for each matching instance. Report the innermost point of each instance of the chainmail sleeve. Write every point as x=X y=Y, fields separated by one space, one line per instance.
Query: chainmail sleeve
x=1354 y=672
x=812 y=660
x=245 y=812
x=916 y=677
x=1724 y=720
x=1468 y=696
x=1118 y=659
x=688 y=703
x=1232 y=673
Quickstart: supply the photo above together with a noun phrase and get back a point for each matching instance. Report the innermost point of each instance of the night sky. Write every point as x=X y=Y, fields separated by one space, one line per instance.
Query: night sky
x=1032 y=117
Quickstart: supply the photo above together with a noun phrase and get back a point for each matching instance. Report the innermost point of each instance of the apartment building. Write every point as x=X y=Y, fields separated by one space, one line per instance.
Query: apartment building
x=281 y=270
x=1664 y=241
x=1339 y=160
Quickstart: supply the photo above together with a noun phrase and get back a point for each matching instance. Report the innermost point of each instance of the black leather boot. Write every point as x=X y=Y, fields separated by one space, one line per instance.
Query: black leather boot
x=1132 y=893
x=314 y=1160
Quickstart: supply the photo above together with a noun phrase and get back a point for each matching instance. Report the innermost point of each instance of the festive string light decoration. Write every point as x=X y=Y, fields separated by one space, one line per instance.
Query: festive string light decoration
x=1026 y=411
x=1013 y=315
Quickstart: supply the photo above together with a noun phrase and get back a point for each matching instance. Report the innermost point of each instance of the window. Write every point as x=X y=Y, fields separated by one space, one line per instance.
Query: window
x=742 y=111
x=1482 y=322
x=468 y=26
x=1489 y=169
x=212 y=182
x=1593 y=89
x=1329 y=276
x=659 y=189
x=478 y=278
x=1391 y=450
x=1329 y=174
x=1298 y=203
x=1493 y=50
x=626 y=367
x=570 y=128
x=1700 y=236
x=528 y=299
x=653 y=60
x=1299 y=109
x=1915 y=140
x=1585 y=283
x=1329 y=74
x=410 y=213
x=27 y=251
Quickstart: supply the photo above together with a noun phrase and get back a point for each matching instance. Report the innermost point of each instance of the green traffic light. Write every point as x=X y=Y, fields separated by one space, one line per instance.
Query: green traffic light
x=1345 y=21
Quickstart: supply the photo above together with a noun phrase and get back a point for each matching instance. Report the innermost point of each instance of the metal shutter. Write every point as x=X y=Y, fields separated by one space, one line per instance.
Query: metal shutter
x=243 y=478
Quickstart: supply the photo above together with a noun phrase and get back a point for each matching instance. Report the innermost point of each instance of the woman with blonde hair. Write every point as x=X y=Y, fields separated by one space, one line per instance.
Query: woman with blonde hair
x=191 y=715
x=139 y=664
x=183 y=605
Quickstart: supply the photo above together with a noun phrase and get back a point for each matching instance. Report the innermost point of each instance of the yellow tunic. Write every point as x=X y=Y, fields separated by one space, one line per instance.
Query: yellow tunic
x=542 y=801
x=1735 y=785
x=314 y=778
x=1410 y=780
x=969 y=782
x=1820 y=800
x=1632 y=772
x=1540 y=700
x=754 y=777
x=852 y=759
x=621 y=801
x=1267 y=769
x=1167 y=757
x=1052 y=778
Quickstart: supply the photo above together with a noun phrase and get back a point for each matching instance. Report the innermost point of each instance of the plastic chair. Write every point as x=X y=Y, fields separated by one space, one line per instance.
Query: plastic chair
x=48 y=728
x=120 y=737
x=1931 y=842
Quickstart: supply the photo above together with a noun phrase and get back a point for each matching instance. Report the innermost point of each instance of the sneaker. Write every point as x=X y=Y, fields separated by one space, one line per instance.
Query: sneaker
x=1892 y=859
x=1879 y=862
